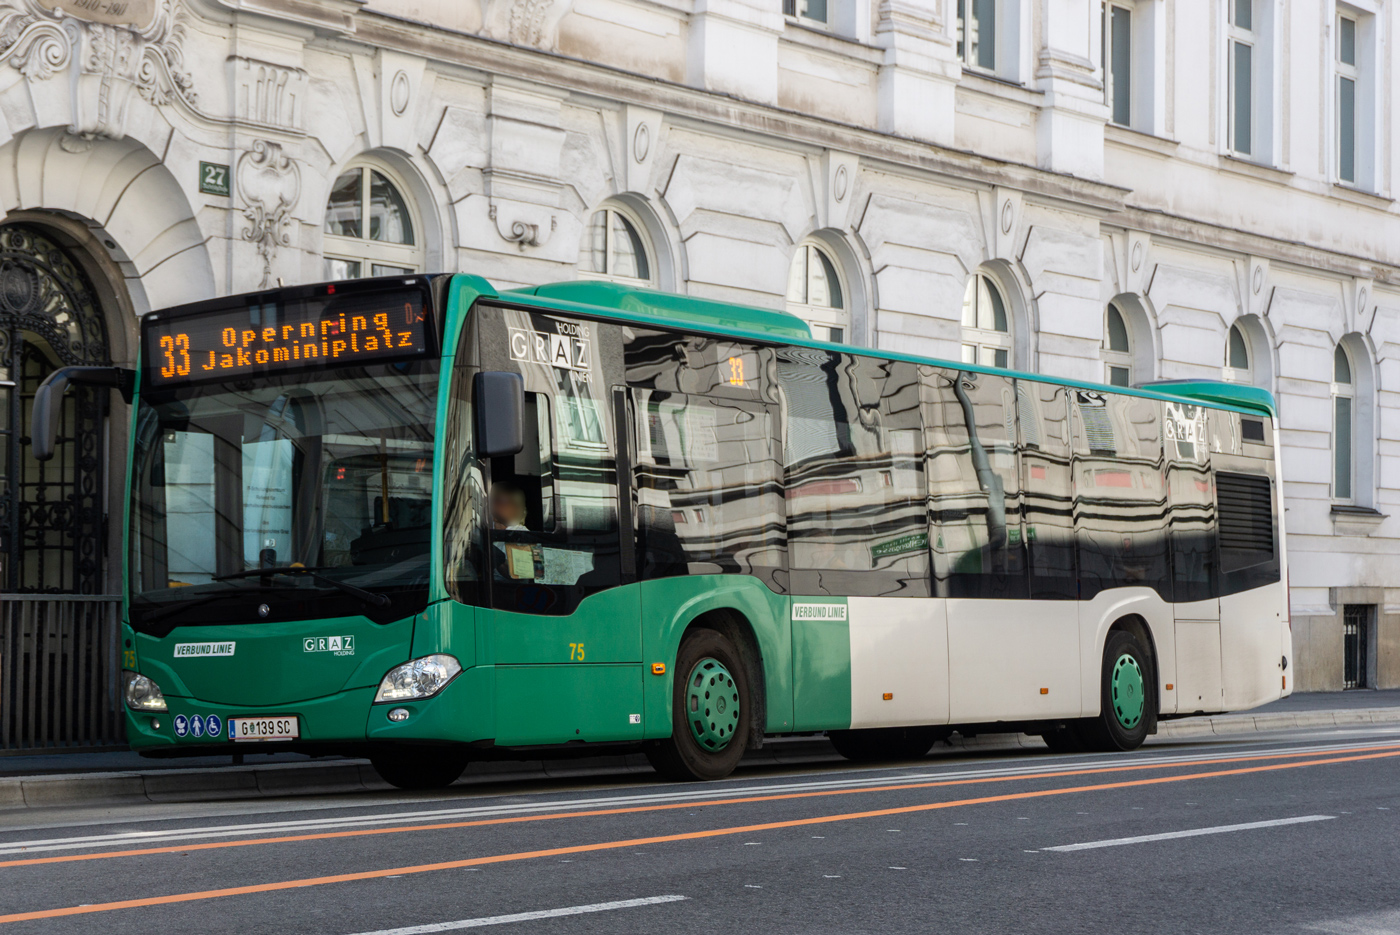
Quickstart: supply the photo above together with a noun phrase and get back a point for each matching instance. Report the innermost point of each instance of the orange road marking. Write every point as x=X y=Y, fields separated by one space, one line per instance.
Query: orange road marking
x=637 y=809
x=658 y=839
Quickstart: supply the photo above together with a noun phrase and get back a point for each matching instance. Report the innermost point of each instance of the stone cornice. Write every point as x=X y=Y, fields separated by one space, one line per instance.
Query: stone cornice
x=594 y=80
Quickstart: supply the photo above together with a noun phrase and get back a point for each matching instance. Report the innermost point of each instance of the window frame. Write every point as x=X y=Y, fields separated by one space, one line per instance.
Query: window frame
x=611 y=208
x=1111 y=74
x=1347 y=391
x=1116 y=359
x=367 y=252
x=824 y=316
x=964 y=48
x=800 y=10
x=1231 y=373
x=1238 y=36
x=1346 y=72
x=976 y=338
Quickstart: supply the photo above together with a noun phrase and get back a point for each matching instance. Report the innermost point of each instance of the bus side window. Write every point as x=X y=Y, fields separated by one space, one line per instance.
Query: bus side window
x=709 y=494
x=1191 y=498
x=1120 y=500
x=974 y=485
x=1043 y=416
x=857 y=519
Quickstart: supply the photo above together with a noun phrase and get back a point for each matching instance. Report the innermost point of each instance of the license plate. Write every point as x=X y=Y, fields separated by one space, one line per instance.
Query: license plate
x=263 y=728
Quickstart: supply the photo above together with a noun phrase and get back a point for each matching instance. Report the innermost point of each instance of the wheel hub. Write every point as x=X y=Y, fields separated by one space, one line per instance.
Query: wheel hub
x=712 y=704
x=1129 y=695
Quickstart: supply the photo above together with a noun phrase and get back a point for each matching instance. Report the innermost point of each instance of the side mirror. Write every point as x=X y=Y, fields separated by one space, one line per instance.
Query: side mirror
x=48 y=401
x=499 y=398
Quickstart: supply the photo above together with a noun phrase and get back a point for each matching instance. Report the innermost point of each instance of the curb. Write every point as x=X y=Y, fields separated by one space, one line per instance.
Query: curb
x=202 y=784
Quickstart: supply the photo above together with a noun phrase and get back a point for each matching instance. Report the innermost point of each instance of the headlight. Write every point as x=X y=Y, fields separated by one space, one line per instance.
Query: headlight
x=419 y=678
x=142 y=694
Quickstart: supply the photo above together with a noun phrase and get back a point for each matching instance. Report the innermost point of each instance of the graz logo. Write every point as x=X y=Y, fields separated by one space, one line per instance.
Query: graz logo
x=568 y=348
x=338 y=645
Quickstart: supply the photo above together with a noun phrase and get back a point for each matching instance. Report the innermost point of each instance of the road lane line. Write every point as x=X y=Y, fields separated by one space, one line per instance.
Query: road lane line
x=1193 y=833
x=633 y=810
x=1037 y=766
x=528 y=916
x=658 y=839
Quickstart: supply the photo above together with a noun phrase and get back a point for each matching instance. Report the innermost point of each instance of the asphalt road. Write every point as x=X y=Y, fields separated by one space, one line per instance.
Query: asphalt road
x=1282 y=833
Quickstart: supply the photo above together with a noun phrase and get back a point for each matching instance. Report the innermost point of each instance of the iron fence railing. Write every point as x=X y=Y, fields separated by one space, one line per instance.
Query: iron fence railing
x=60 y=672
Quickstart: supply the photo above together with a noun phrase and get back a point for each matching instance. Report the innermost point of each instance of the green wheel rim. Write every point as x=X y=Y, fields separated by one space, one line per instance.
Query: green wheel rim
x=1129 y=698
x=712 y=704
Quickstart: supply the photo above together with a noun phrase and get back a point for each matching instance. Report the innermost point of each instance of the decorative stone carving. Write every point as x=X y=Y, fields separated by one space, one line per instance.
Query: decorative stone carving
x=112 y=48
x=268 y=94
x=532 y=23
x=269 y=184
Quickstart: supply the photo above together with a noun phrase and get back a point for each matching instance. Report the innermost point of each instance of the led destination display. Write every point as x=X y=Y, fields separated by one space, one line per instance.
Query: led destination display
x=266 y=338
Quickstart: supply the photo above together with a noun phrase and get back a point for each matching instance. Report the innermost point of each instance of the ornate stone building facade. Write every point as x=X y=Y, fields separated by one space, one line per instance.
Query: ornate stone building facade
x=1113 y=191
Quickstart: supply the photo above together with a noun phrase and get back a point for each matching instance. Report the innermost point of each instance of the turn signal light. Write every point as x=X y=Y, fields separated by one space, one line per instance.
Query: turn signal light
x=658 y=668
x=1045 y=691
x=889 y=696
x=1170 y=686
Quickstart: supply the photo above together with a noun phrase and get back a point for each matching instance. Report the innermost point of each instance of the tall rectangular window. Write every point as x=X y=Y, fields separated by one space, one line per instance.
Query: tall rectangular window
x=1241 y=33
x=977 y=33
x=1341 y=447
x=1118 y=62
x=1346 y=99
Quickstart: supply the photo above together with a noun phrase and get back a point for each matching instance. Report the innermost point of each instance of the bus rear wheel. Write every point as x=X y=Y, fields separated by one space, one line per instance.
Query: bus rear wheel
x=1128 y=701
x=419 y=767
x=709 y=711
x=886 y=743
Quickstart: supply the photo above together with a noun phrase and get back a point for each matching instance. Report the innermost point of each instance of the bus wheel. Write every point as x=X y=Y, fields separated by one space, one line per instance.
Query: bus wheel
x=886 y=743
x=1127 y=698
x=419 y=767
x=709 y=711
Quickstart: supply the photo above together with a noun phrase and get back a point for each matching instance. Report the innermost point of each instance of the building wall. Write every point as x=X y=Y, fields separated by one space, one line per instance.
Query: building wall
x=733 y=133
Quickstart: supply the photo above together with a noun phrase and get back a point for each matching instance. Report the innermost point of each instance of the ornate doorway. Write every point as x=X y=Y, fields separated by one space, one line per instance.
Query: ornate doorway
x=52 y=527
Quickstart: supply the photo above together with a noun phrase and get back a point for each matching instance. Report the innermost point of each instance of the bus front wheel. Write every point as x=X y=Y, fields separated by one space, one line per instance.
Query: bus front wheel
x=709 y=711
x=419 y=767
x=1128 y=700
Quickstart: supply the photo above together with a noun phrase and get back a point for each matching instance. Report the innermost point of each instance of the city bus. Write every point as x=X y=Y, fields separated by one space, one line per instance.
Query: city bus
x=425 y=521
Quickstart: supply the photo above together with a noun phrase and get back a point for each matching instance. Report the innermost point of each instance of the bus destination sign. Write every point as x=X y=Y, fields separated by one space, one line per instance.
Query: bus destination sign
x=267 y=338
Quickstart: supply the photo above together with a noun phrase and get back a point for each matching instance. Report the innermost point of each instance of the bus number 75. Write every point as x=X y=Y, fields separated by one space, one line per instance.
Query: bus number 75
x=576 y=652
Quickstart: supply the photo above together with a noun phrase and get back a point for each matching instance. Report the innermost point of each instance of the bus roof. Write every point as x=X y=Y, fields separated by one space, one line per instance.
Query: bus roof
x=614 y=300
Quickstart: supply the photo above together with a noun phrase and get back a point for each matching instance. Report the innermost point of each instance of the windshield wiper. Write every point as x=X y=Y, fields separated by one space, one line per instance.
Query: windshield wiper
x=369 y=597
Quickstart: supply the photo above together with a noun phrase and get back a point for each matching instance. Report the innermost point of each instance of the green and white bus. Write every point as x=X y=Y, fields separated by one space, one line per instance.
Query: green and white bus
x=421 y=520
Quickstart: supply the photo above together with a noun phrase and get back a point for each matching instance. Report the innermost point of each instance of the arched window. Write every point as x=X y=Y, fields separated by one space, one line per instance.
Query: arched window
x=1343 y=425
x=816 y=294
x=370 y=227
x=1239 y=365
x=986 y=326
x=1117 y=348
x=615 y=249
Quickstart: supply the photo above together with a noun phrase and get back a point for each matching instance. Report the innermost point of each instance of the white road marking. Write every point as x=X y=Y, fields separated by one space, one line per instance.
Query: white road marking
x=1193 y=833
x=716 y=792
x=527 y=916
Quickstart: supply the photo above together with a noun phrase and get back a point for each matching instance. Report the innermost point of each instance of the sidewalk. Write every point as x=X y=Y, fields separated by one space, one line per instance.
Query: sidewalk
x=121 y=776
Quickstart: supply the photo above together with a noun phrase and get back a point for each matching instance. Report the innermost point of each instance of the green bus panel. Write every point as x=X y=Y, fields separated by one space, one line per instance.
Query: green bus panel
x=821 y=651
x=461 y=713
x=275 y=663
x=669 y=605
x=446 y=627
x=605 y=627
x=338 y=717
x=555 y=703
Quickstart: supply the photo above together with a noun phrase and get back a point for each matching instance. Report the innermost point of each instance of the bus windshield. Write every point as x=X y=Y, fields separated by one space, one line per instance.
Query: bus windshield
x=283 y=497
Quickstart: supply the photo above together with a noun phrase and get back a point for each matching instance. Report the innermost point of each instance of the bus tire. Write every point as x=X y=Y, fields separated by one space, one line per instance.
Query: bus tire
x=886 y=743
x=419 y=767
x=1127 y=700
x=706 y=743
